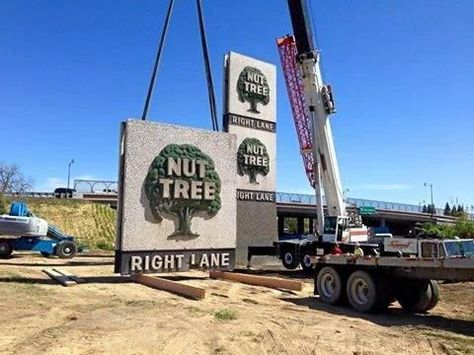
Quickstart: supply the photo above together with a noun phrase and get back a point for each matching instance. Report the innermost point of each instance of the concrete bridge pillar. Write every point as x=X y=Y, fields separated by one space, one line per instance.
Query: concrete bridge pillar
x=281 y=225
x=300 y=224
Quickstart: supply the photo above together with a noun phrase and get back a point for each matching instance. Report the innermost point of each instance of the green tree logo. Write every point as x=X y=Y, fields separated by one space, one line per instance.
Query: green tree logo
x=182 y=182
x=252 y=159
x=252 y=87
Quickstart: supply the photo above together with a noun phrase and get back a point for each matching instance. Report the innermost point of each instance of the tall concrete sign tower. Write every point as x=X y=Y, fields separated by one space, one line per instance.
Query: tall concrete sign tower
x=250 y=113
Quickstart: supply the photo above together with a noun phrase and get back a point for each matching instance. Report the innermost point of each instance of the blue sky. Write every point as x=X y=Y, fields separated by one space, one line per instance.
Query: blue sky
x=402 y=73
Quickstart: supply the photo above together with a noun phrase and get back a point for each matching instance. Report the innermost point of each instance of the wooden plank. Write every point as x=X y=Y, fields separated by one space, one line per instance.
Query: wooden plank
x=70 y=275
x=62 y=279
x=266 y=281
x=170 y=286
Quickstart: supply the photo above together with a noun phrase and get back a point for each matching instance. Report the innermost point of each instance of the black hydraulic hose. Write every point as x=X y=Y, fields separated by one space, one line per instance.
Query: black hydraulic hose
x=157 y=60
x=207 y=65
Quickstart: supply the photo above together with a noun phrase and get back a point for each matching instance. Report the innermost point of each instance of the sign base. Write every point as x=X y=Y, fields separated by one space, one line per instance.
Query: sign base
x=156 y=261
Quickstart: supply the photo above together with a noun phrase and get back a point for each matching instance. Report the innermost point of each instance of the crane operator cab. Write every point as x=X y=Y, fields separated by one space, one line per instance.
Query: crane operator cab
x=342 y=229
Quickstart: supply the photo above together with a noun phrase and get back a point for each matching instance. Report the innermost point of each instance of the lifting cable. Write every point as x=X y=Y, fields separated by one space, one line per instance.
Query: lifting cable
x=157 y=60
x=207 y=65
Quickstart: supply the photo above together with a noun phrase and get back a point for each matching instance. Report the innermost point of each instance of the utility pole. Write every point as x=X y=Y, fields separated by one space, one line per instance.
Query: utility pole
x=420 y=205
x=431 y=191
x=69 y=173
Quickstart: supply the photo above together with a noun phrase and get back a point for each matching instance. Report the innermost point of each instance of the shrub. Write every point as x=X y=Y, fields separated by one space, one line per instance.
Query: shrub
x=3 y=204
x=225 y=314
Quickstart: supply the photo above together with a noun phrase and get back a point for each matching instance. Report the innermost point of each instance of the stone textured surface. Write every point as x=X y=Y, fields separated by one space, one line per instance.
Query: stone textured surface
x=257 y=226
x=256 y=221
x=142 y=142
x=235 y=63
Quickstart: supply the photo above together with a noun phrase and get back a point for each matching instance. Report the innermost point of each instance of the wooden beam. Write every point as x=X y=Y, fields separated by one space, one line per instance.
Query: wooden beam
x=170 y=286
x=266 y=281
x=70 y=275
x=62 y=279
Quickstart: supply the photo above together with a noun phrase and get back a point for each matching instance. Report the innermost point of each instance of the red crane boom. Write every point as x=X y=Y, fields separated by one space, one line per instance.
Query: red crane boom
x=301 y=116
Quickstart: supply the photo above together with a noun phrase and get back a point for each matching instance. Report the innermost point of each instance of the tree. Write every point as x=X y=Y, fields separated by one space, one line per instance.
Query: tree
x=252 y=159
x=447 y=210
x=454 y=211
x=252 y=87
x=463 y=228
x=3 y=204
x=424 y=209
x=432 y=230
x=431 y=209
x=162 y=201
x=12 y=180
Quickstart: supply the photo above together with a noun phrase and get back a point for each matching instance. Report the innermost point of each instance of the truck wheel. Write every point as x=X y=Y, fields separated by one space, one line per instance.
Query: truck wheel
x=385 y=291
x=434 y=295
x=6 y=248
x=415 y=297
x=66 y=249
x=362 y=291
x=306 y=264
x=329 y=285
x=289 y=260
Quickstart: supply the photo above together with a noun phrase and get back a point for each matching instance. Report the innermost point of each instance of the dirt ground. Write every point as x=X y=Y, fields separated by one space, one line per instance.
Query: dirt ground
x=110 y=314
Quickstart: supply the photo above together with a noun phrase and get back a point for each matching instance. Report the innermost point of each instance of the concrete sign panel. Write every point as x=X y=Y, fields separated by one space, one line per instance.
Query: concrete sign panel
x=250 y=113
x=177 y=199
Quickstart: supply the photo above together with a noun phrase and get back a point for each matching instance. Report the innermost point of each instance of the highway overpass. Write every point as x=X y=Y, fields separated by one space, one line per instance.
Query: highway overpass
x=399 y=218
x=298 y=210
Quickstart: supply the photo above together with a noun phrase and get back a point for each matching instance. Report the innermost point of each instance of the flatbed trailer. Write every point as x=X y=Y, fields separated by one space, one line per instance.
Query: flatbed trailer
x=296 y=252
x=372 y=283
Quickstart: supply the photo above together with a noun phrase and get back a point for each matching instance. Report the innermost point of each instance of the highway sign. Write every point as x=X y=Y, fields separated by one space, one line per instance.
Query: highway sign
x=367 y=210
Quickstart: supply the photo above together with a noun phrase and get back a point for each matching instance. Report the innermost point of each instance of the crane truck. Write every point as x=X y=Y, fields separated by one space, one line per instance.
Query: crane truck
x=401 y=269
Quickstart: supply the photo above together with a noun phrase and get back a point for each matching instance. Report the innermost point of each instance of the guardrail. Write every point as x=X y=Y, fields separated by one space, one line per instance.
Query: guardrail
x=290 y=197
x=31 y=194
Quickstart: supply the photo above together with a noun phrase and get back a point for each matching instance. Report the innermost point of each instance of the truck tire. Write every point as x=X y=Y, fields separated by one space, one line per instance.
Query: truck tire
x=289 y=259
x=385 y=293
x=306 y=264
x=329 y=285
x=416 y=296
x=6 y=248
x=362 y=292
x=434 y=295
x=66 y=249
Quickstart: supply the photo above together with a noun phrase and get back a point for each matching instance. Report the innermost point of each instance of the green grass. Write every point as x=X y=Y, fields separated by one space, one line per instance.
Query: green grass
x=456 y=343
x=225 y=314
x=92 y=224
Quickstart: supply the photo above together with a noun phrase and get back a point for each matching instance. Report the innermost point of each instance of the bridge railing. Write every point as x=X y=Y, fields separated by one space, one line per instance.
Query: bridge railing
x=289 y=197
x=31 y=194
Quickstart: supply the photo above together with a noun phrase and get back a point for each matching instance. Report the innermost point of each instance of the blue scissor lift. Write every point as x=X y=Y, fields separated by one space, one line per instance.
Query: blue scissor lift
x=55 y=243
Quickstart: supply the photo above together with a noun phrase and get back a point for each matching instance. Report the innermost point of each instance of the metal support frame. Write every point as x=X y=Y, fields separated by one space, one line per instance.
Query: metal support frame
x=92 y=183
x=301 y=116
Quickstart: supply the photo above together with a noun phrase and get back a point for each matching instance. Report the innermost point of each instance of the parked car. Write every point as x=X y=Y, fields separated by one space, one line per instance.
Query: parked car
x=64 y=192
